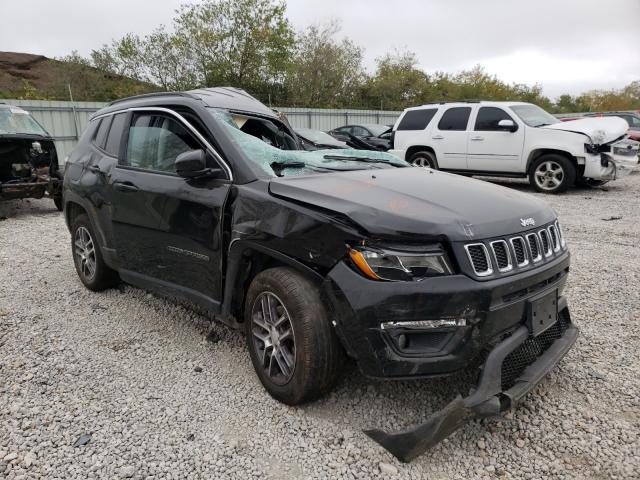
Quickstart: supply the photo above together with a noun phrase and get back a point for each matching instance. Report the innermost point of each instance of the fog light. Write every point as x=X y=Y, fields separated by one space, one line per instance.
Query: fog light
x=425 y=324
x=402 y=341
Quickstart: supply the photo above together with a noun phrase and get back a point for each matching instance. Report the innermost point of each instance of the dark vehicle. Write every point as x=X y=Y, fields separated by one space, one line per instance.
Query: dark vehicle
x=205 y=196
x=28 y=158
x=378 y=136
x=317 y=139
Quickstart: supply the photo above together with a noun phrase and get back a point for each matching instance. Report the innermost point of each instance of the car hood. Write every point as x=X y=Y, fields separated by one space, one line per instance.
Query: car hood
x=599 y=129
x=417 y=203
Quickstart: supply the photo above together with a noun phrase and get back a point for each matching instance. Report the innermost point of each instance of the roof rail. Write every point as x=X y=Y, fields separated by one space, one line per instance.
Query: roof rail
x=152 y=94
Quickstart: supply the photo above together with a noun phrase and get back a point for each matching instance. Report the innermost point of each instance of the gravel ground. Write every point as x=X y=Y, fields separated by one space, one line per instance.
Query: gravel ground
x=161 y=399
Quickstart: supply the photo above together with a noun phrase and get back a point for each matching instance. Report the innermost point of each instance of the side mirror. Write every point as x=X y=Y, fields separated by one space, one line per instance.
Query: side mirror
x=508 y=125
x=193 y=164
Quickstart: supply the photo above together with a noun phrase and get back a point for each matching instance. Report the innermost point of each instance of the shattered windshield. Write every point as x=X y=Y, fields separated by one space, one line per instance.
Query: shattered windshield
x=533 y=115
x=15 y=120
x=277 y=153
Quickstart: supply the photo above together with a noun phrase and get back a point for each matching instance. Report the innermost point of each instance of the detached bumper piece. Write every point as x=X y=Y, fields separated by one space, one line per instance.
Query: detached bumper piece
x=512 y=368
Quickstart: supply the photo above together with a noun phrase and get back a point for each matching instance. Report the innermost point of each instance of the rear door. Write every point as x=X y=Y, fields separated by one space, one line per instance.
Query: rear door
x=168 y=229
x=491 y=148
x=449 y=138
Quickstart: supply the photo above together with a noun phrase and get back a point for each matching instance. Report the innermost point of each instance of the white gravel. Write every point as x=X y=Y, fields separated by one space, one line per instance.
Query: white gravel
x=137 y=374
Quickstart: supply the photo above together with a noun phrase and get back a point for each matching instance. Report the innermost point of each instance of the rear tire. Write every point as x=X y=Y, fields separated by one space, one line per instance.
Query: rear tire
x=552 y=173
x=293 y=346
x=57 y=200
x=424 y=158
x=87 y=257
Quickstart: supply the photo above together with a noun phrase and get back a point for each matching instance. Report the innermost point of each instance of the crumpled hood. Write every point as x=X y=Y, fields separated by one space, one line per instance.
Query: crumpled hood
x=599 y=129
x=417 y=202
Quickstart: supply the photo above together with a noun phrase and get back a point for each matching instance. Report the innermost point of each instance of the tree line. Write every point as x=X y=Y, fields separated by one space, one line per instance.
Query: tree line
x=251 y=44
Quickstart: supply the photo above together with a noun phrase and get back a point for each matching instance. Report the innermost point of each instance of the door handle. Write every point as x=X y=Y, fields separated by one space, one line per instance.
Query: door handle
x=477 y=139
x=438 y=137
x=96 y=169
x=125 y=187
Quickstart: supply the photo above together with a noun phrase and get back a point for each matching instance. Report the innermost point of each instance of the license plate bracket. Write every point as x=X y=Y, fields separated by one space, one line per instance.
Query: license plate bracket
x=542 y=312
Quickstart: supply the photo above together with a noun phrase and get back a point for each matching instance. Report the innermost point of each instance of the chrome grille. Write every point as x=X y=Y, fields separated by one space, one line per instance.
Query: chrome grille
x=502 y=255
x=544 y=241
x=555 y=240
x=534 y=247
x=479 y=258
x=520 y=250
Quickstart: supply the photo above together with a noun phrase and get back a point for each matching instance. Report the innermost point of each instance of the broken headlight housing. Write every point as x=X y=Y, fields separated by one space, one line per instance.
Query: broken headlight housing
x=391 y=265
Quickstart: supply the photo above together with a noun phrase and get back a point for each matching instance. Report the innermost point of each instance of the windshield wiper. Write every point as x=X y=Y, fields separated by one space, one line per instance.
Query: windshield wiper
x=358 y=159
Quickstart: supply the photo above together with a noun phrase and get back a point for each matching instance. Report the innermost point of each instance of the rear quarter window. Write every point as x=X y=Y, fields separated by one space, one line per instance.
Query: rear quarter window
x=100 y=137
x=417 y=119
x=112 y=146
x=455 y=118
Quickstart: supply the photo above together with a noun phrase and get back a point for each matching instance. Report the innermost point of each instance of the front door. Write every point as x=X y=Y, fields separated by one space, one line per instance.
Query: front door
x=167 y=229
x=492 y=148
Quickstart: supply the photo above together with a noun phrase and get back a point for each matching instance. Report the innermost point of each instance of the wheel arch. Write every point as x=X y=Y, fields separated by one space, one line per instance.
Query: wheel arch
x=71 y=211
x=539 y=152
x=244 y=261
x=419 y=148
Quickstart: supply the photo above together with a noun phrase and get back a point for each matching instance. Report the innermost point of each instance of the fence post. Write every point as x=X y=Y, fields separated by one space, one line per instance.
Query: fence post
x=346 y=118
x=309 y=117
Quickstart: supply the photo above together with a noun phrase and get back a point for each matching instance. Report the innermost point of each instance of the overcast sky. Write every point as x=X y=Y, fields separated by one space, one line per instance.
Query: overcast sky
x=565 y=45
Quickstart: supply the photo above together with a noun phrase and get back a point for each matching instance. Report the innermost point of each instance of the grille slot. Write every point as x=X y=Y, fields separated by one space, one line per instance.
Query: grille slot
x=479 y=258
x=528 y=352
x=520 y=251
x=534 y=247
x=546 y=245
x=555 y=240
x=502 y=255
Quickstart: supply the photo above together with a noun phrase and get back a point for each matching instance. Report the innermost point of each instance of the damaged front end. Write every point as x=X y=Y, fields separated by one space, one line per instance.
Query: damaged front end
x=511 y=369
x=28 y=158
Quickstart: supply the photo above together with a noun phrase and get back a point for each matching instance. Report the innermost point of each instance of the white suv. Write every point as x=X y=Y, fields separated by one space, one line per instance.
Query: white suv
x=515 y=139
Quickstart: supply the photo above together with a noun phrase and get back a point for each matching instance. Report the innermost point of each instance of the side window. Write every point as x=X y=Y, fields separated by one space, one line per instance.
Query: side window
x=359 y=132
x=101 y=134
x=488 y=118
x=633 y=122
x=344 y=130
x=155 y=141
x=417 y=119
x=455 y=118
x=112 y=146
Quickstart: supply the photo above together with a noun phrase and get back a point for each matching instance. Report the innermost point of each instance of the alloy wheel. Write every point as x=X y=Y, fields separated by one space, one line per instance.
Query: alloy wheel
x=85 y=253
x=549 y=175
x=422 y=162
x=273 y=337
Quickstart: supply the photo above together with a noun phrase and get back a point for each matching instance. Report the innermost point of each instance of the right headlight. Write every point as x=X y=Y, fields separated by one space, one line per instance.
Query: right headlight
x=391 y=265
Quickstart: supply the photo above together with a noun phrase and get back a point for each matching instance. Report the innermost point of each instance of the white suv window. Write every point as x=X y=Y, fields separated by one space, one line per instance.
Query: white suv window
x=417 y=119
x=488 y=118
x=456 y=118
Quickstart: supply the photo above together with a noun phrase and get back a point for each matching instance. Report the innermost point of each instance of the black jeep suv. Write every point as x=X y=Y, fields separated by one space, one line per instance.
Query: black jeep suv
x=207 y=196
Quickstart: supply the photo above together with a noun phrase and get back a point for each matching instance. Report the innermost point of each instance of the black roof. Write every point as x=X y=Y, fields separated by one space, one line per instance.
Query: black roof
x=228 y=98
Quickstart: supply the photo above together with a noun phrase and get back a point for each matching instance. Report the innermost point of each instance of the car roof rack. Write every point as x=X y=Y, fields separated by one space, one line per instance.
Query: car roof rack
x=444 y=102
x=151 y=95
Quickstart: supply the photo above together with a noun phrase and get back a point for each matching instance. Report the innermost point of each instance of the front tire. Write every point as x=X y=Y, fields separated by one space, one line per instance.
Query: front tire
x=293 y=347
x=552 y=173
x=87 y=257
x=424 y=159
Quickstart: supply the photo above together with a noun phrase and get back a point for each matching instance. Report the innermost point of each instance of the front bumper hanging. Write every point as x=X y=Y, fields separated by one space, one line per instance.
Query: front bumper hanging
x=489 y=398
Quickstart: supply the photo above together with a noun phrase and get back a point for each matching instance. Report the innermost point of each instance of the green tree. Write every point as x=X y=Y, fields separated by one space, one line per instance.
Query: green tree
x=397 y=81
x=325 y=72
